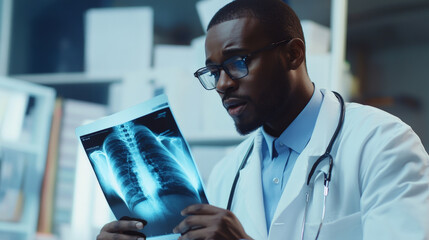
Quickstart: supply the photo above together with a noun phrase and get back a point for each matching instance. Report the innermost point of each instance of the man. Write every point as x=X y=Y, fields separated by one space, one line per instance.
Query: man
x=379 y=185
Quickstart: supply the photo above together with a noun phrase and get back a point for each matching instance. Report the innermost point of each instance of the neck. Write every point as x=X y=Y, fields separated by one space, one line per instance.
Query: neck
x=294 y=105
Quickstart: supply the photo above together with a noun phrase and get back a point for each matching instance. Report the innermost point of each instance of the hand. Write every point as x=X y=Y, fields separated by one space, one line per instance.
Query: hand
x=125 y=229
x=209 y=222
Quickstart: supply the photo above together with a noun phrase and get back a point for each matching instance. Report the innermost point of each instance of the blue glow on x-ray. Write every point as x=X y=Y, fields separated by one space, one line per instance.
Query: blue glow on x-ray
x=176 y=148
x=102 y=165
x=147 y=171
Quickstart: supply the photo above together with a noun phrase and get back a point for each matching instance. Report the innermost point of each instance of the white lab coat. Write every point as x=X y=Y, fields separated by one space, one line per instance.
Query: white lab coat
x=379 y=188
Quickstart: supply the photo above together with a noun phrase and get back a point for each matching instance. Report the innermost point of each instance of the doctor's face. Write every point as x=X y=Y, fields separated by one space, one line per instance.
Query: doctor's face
x=262 y=96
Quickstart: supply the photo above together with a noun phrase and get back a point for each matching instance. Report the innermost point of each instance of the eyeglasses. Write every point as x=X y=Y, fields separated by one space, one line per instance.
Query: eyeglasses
x=235 y=67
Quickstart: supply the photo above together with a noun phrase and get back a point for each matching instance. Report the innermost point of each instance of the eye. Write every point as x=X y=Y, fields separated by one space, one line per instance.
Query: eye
x=237 y=68
x=214 y=73
x=237 y=65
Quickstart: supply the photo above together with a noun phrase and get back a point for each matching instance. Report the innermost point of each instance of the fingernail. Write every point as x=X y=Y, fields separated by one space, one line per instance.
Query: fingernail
x=139 y=225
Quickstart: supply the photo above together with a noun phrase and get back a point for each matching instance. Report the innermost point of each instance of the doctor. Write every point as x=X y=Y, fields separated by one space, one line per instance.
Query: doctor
x=373 y=184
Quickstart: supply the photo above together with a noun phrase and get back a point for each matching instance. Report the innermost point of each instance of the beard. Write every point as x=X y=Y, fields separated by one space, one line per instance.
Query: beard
x=244 y=128
x=256 y=117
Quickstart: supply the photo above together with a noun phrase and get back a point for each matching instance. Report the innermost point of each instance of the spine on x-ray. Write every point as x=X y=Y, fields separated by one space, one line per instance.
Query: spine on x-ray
x=144 y=168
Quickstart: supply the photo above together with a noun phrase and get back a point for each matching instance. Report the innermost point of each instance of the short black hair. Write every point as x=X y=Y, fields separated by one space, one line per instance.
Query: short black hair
x=280 y=20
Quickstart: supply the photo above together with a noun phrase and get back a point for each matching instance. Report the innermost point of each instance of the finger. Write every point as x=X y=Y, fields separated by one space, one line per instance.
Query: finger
x=199 y=233
x=122 y=225
x=135 y=219
x=190 y=223
x=201 y=209
x=132 y=233
x=118 y=236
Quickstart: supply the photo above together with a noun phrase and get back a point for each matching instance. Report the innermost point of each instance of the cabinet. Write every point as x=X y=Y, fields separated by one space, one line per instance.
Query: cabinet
x=24 y=154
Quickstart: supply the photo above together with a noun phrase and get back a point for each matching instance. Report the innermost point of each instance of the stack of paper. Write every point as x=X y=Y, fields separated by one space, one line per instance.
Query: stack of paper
x=13 y=106
x=317 y=37
x=318 y=56
x=118 y=40
x=175 y=77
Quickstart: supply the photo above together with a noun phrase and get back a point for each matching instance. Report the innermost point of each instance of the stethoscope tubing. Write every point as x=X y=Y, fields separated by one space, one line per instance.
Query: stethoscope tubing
x=327 y=153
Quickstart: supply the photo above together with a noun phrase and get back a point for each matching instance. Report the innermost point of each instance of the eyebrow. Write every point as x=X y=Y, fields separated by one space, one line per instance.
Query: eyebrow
x=228 y=53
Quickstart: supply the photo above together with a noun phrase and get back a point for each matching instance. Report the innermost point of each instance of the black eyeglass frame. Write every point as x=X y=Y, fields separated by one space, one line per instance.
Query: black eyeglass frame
x=244 y=59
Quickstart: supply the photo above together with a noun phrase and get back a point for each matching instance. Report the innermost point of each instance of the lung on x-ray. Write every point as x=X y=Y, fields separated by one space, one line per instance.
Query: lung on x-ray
x=144 y=166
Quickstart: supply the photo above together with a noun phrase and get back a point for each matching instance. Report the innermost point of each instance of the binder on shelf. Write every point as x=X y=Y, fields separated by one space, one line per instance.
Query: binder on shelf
x=49 y=179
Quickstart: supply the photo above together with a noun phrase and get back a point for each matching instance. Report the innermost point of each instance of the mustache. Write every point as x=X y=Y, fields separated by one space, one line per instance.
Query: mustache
x=227 y=99
x=227 y=96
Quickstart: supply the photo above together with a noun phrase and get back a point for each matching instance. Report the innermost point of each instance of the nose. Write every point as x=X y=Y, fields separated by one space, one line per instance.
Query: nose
x=225 y=83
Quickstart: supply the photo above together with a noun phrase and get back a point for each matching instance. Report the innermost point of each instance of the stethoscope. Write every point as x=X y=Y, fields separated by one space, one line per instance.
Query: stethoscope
x=327 y=175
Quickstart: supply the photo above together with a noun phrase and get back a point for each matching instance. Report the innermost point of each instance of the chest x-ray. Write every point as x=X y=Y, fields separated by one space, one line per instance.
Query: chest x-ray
x=144 y=166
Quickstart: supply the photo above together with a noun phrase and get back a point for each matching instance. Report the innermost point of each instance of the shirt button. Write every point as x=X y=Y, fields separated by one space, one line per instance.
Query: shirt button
x=276 y=180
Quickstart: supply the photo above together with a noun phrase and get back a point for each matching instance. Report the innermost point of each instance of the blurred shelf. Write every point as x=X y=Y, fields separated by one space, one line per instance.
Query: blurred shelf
x=67 y=78
x=76 y=85
x=12 y=227
x=22 y=147
x=33 y=141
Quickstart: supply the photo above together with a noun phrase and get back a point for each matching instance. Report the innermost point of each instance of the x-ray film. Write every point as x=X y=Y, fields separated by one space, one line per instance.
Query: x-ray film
x=144 y=165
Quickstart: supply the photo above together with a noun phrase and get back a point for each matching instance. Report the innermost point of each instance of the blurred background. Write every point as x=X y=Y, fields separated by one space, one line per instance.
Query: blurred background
x=66 y=62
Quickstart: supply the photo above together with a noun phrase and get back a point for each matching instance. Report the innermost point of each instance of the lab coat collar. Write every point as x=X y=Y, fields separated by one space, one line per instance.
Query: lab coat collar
x=326 y=123
x=249 y=206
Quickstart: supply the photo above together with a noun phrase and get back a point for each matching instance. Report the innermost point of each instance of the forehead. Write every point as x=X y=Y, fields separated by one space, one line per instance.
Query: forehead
x=234 y=35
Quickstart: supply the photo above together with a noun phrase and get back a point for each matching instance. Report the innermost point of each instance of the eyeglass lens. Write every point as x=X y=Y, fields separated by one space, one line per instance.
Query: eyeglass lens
x=235 y=68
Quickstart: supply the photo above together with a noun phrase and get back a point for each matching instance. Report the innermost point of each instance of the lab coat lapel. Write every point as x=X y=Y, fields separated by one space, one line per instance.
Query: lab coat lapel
x=324 y=129
x=249 y=206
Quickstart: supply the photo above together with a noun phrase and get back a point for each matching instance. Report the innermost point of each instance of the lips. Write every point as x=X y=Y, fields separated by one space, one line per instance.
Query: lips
x=234 y=106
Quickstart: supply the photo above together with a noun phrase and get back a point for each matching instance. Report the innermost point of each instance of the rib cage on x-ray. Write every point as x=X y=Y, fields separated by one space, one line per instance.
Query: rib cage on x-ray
x=143 y=167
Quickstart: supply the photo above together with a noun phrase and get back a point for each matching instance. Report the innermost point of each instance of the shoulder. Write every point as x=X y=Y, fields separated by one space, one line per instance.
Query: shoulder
x=361 y=122
x=392 y=167
x=373 y=125
x=370 y=116
x=367 y=129
x=381 y=140
x=370 y=123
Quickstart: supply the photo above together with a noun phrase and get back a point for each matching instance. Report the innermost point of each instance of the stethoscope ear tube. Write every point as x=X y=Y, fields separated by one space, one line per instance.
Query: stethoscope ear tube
x=320 y=159
x=234 y=184
x=327 y=153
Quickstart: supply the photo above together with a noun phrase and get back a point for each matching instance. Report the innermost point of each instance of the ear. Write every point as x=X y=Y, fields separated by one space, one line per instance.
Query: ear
x=296 y=53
